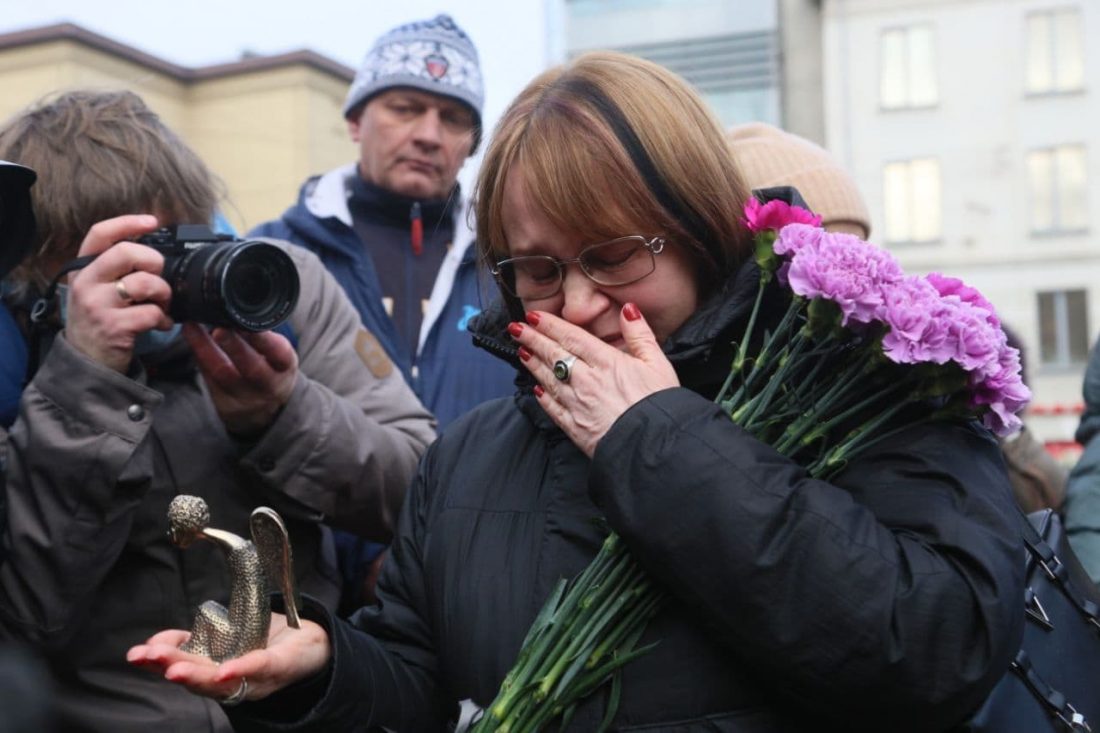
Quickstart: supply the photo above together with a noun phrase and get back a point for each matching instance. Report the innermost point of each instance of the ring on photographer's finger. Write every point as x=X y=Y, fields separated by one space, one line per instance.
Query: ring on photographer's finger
x=563 y=367
x=123 y=293
x=237 y=697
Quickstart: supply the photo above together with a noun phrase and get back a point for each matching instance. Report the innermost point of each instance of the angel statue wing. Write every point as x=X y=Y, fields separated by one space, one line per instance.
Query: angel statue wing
x=272 y=543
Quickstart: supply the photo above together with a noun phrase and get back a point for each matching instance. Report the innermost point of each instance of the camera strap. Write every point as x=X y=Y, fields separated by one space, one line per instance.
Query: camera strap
x=40 y=315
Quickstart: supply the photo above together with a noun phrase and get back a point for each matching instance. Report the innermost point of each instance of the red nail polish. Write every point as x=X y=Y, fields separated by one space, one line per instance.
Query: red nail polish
x=538 y=390
x=533 y=318
x=631 y=312
x=515 y=329
x=524 y=354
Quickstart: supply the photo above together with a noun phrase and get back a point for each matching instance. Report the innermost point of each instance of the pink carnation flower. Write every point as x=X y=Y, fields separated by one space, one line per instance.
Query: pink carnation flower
x=844 y=269
x=775 y=215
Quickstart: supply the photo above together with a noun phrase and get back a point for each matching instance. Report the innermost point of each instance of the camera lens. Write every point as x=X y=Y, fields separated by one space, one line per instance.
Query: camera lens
x=246 y=285
x=258 y=285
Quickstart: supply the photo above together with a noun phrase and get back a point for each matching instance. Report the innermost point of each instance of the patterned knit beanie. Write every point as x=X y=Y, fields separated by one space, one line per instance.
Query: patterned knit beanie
x=768 y=156
x=431 y=55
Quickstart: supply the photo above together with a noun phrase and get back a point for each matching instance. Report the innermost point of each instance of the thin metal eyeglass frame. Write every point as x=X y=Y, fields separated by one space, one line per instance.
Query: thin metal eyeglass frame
x=653 y=245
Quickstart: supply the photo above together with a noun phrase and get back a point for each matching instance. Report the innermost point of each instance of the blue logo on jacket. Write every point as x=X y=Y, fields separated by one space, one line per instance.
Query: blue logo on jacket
x=468 y=312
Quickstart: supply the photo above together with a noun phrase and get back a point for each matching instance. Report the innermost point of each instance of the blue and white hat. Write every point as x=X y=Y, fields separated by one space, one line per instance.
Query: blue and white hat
x=432 y=55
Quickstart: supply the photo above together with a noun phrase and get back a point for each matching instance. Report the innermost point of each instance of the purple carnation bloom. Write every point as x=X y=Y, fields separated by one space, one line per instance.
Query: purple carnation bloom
x=978 y=342
x=918 y=323
x=793 y=238
x=841 y=268
x=1002 y=392
x=953 y=286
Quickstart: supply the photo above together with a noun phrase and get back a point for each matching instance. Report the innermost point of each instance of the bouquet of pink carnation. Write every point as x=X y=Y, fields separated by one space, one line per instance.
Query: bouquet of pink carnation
x=887 y=341
x=863 y=351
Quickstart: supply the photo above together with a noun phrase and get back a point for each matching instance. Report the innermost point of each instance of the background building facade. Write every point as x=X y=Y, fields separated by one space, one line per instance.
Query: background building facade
x=970 y=126
x=262 y=124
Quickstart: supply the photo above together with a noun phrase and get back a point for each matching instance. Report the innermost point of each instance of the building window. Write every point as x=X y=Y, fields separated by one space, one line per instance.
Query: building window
x=737 y=74
x=911 y=192
x=1055 y=52
x=908 y=67
x=1063 y=327
x=1059 y=192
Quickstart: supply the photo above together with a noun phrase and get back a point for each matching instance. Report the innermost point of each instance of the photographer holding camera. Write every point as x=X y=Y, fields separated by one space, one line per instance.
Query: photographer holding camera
x=128 y=407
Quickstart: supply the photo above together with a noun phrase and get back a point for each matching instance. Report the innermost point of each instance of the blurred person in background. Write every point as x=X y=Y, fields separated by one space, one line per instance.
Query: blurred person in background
x=25 y=688
x=128 y=409
x=16 y=240
x=1081 y=511
x=1038 y=480
x=394 y=229
x=772 y=158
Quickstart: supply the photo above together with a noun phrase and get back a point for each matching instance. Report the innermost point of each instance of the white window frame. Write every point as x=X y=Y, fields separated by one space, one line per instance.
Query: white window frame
x=1063 y=356
x=906 y=220
x=1056 y=189
x=914 y=92
x=1064 y=34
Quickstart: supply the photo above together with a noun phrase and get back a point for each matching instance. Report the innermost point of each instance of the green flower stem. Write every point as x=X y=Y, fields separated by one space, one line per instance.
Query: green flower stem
x=851 y=376
x=764 y=361
x=839 y=456
x=607 y=601
x=581 y=649
x=764 y=405
x=641 y=612
x=591 y=600
x=882 y=395
x=543 y=639
x=743 y=350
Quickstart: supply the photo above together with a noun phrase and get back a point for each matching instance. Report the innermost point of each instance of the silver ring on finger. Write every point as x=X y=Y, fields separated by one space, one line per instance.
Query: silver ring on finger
x=123 y=293
x=563 y=368
x=237 y=697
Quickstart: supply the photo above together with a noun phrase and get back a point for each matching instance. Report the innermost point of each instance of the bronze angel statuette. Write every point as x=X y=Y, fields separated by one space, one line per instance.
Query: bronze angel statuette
x=255 y=569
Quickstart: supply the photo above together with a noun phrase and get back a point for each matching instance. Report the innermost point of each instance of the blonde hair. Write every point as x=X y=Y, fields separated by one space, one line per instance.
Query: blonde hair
x=101 y=154
x=611 y=145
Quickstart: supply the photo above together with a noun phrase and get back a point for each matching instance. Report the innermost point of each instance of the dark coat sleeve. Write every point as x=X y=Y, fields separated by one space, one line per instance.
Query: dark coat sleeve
x=383 y=671
x=891 y=594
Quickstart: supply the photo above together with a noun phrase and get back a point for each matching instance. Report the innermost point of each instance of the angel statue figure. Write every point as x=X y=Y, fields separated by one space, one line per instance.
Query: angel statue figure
x=255 y=568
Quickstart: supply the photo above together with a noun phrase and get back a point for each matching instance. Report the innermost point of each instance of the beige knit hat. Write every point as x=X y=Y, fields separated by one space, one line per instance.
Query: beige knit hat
x=768 y=156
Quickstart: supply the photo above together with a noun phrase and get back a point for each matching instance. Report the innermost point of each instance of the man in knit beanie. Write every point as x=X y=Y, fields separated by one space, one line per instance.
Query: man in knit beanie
x=769 y=157
x=392 y=226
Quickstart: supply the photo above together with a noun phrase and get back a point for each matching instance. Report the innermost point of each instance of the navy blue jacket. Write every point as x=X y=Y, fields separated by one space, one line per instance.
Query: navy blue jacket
x=448 y=374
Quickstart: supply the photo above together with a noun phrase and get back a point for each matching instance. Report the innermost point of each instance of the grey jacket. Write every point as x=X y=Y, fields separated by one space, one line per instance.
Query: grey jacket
x=95 y=457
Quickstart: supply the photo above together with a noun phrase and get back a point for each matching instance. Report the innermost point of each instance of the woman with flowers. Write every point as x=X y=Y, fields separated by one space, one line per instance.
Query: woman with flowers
x=842 y=554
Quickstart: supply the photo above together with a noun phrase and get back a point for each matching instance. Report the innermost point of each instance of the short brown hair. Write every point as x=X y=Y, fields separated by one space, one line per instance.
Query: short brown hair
x=612 y=144
x=101 y=154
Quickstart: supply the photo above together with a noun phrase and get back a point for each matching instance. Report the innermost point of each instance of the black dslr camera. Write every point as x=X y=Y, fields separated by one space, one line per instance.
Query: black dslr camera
x=224 y=281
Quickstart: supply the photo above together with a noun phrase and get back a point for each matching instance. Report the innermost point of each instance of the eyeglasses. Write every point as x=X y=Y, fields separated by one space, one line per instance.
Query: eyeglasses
x=621 y=261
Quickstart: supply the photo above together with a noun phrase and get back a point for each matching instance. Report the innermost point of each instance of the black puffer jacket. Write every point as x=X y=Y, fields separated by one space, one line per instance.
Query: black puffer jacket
x=887 y=600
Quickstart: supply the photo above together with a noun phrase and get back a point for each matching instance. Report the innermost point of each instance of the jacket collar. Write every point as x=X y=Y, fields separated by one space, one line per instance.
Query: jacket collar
x=322 y=217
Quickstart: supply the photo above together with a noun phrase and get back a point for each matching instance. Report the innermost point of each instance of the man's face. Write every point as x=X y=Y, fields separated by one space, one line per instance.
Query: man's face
x=412 y=142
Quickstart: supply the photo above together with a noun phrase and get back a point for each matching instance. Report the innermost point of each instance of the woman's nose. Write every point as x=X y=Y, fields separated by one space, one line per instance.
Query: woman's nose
x=583 y=300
